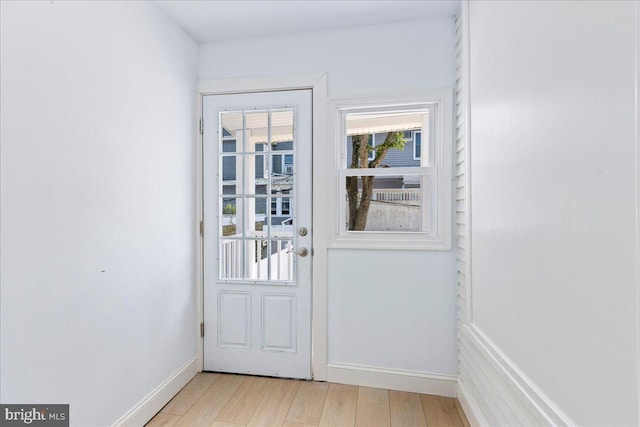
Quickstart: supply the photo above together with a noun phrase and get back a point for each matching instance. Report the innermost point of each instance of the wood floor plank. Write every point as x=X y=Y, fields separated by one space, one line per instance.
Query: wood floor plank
x=223 y=400
x=244 y=402
x=463 y=416
x=340 y=406
x=406 y=409
x=189 y=394
x=440 y=411
x=373 y=408
x=211 y=403
x=308 y=403
x=273 y=409
x=292 y=424
x=225 y=424
x=163 y=420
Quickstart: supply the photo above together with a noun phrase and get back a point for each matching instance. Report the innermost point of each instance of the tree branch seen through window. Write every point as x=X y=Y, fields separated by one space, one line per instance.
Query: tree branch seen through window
x=359 y=203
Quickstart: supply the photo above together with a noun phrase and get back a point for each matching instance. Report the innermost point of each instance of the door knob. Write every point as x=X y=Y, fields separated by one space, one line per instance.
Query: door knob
x=302 y=252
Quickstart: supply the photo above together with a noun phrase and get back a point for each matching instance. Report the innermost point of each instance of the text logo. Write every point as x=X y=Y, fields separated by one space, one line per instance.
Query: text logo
x=34 y=415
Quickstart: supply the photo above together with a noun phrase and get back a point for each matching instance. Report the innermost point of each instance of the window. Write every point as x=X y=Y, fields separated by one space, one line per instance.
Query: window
x=394 y=172
x=417 y=145
x=287 y=164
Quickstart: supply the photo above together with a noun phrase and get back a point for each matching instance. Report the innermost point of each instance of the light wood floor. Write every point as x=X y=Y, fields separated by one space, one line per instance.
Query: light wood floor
x=222 y=400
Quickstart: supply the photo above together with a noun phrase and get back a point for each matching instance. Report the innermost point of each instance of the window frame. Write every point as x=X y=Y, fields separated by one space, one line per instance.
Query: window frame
x=436 y=164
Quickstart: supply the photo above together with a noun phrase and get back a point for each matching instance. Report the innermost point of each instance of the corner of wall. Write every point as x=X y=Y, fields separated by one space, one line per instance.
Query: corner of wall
x=144 y=410
x=490 y=389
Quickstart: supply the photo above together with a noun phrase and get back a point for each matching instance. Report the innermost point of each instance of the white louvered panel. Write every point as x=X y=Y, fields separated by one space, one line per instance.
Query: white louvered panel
x=462 y=280
x=479 y=390
x=462 y=290
x=461 y=193
x=462 y=277
x=462 y=255
x=495 y=393
x=473 y=390
x=505 y=399
x=462 y=300
x=461 y=242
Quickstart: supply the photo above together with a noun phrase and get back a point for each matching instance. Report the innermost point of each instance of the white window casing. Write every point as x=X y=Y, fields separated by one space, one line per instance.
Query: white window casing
x=434 y=173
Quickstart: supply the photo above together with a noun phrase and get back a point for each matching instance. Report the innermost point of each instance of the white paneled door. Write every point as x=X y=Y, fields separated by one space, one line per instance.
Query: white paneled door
x=257 y=233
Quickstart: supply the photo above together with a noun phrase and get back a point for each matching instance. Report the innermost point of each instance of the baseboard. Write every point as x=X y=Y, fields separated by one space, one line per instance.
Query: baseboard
x=496 y=392
x=470 y=407
x=393 y=379
x=140 y=414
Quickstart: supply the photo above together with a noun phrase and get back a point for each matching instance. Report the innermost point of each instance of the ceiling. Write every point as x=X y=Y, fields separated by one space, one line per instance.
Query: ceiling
x=219 y=20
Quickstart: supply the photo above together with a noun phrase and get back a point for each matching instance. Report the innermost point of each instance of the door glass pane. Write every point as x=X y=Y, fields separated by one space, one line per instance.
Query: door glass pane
x=231 y=168
x=282 y=128
x=256 y=177
x=260 y=216
x=281 y=222
x=230 y=124
x=256 y=260
x=231 y=216
x=231 y=259
x=282 y=172
x=281 y=259
x=256 y=132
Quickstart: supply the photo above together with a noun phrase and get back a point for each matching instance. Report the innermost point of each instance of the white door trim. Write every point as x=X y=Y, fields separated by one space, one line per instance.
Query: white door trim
x=317 y=82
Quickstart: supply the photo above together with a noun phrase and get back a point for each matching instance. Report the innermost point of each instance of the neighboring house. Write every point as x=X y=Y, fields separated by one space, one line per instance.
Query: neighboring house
x=408 y=157
x=281 y=177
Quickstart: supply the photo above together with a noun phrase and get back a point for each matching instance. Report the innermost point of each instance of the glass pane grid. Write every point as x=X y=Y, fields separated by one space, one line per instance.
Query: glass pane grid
x=255 y=242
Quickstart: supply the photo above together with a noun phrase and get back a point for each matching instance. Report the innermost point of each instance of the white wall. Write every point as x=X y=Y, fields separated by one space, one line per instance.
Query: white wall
x=398 y=309
x=554 y=203
x=98 y=186
x=375 y=59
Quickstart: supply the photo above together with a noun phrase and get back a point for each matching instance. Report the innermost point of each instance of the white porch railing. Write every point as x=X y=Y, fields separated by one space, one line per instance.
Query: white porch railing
x=405 y=195
x=257 y=266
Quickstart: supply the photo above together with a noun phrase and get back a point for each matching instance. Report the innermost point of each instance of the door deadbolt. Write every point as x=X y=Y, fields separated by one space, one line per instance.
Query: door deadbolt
x=302 y=231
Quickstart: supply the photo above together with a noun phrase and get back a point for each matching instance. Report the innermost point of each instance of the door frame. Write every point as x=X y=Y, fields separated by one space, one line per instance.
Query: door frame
x=317 y=82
